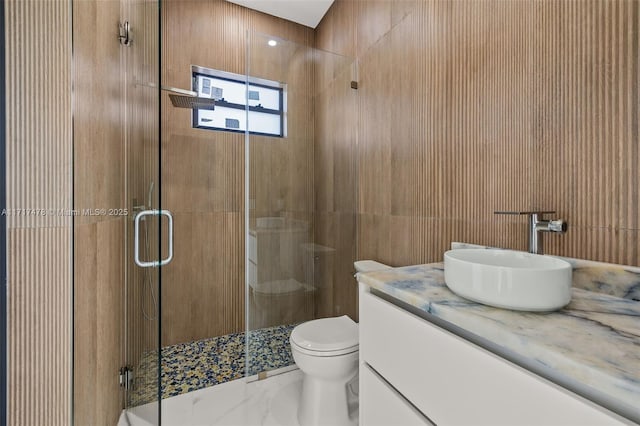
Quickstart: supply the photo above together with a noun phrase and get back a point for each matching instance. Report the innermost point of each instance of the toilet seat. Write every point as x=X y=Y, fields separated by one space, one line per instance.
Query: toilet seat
x=326 y=337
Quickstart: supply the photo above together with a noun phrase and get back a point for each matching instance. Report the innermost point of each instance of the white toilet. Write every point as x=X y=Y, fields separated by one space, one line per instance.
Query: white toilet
x=326 y=351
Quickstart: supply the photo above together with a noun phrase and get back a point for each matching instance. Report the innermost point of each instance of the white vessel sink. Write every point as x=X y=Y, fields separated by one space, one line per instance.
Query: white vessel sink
x=509 y=279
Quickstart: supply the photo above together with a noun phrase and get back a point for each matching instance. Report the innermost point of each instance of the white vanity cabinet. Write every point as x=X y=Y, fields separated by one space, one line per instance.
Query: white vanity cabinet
x=420 y=374
x=382 y=405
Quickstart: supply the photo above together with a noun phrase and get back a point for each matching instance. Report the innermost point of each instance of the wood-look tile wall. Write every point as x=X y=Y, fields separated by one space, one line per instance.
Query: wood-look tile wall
x=203 y=171
x=38 y=148
x=467 y=107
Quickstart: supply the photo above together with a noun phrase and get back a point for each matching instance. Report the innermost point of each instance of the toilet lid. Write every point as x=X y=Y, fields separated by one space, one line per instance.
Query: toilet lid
x=326 y=335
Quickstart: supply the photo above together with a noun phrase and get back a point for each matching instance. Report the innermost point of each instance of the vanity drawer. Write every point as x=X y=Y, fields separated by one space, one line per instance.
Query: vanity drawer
x=381 y=405
x=454 y=382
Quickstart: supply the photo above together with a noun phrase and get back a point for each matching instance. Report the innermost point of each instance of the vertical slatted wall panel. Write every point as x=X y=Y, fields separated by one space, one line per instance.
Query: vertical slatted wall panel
x=515 y=105
x=38 y=113
x=587 y=160
x=39 y=177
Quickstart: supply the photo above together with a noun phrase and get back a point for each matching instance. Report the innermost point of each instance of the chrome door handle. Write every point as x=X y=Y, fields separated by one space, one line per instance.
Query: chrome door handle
x=136 y=238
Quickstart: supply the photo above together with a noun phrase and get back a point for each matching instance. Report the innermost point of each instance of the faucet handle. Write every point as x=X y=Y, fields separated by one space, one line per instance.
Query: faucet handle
x=536 y=225
x=540 y=212
x=558 y=225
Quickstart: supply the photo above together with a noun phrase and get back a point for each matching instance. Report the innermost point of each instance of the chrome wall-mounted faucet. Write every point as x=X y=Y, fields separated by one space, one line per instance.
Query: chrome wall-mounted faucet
x=537 y=225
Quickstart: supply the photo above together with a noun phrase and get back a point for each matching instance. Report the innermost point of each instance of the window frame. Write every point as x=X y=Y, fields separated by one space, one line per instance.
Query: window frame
x=246 y=81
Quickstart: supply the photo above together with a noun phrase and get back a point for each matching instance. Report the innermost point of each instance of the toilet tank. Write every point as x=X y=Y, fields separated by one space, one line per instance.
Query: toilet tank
x=369 y=266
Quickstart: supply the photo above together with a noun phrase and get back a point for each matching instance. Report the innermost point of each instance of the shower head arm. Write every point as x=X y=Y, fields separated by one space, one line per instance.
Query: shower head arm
x=177 y=91
x=170 y=89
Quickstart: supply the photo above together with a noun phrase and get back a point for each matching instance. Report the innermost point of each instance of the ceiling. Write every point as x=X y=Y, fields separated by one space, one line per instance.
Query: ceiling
x=305 y=12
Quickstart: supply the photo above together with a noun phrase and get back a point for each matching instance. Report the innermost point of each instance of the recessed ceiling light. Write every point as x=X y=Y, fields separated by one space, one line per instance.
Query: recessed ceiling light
x=272 y=43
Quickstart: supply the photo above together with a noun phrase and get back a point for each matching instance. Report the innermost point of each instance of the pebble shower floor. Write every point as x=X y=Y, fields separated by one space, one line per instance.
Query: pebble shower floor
x=195 y=365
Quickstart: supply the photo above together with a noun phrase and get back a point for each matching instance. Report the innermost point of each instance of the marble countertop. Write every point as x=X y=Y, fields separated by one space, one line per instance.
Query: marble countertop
x=592 y=346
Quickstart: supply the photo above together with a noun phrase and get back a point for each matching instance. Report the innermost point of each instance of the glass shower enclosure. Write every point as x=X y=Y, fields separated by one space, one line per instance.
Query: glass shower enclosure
x=231 y=236
x=300 y=224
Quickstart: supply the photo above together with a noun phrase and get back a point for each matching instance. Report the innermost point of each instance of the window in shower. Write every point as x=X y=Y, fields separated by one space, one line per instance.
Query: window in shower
x=264 y=100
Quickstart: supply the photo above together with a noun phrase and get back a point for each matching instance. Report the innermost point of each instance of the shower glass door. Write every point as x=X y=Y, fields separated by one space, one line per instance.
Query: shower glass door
x=116 y=151
x=300 y=196
x=143 y=233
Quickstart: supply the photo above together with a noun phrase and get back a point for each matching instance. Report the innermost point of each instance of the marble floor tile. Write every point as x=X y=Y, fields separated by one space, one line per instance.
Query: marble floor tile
x=269 y=402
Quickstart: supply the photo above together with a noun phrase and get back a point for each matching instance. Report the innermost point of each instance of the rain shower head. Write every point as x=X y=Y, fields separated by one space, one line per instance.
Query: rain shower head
x=192 y=102
x=181 y=98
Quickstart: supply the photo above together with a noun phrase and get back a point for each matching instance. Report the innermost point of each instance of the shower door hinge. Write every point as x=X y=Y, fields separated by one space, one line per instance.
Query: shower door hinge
x=126 y=377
